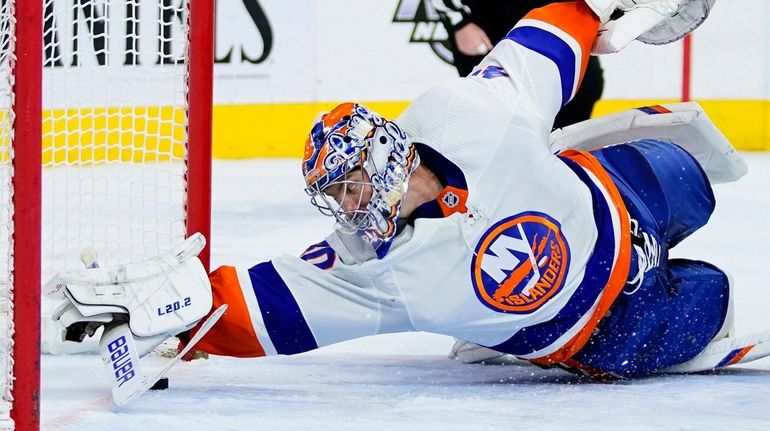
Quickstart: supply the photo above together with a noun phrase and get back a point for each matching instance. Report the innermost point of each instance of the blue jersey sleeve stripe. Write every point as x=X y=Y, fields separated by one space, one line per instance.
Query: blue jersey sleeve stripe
x=552 y=47
x=283 y=319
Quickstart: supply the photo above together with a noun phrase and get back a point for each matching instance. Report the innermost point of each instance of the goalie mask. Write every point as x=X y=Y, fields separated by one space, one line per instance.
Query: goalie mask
x=356 y=168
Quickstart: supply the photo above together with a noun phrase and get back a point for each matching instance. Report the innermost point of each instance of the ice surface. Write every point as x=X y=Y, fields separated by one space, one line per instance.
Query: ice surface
x=404 y=381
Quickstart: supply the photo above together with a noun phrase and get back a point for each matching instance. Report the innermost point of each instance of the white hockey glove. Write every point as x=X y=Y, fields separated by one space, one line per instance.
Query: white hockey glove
x=159 y=298
x=654 y=22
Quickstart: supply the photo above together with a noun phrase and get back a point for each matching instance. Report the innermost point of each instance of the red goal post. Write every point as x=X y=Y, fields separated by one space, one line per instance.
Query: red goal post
x=126 y=175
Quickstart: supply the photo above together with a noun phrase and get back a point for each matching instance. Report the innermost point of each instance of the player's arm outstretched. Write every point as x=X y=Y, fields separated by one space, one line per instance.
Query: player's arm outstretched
x=288 y=306
x=284 y=306
x=544 y=56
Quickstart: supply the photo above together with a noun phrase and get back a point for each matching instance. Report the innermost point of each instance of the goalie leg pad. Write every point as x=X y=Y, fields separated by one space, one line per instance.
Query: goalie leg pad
x=684 y=124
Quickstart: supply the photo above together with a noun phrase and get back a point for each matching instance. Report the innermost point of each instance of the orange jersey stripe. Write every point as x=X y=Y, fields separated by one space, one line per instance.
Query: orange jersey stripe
x=619 y=273
x=234 y=334
x=575 y=19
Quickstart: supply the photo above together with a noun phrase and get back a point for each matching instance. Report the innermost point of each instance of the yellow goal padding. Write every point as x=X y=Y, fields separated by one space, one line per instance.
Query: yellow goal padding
x=137 y=134
x=280 y=130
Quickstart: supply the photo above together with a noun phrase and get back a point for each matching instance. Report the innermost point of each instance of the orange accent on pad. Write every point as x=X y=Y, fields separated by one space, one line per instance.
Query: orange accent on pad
x=661 y=109
x=740 y=355
x=233 y=334
x=574 y=18
x=619 y=274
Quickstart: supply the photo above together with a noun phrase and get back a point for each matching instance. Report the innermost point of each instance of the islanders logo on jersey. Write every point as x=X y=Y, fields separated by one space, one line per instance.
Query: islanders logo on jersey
x=520 y=263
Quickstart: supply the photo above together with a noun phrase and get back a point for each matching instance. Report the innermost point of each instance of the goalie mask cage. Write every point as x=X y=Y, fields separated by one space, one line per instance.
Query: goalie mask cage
x=105 y=142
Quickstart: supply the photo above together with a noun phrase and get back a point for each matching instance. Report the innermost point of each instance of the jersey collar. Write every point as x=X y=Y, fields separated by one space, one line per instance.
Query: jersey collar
x=455 y=193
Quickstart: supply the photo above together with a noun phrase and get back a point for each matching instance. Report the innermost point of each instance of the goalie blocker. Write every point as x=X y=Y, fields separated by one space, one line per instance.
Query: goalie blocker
x=140 y=305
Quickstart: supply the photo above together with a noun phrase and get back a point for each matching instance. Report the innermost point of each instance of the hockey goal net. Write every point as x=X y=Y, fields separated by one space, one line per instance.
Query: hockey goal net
x=105 y=130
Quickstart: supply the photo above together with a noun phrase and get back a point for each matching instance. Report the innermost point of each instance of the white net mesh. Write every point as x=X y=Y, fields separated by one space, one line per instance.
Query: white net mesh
x=6 y=210
x=114 y=133
x=114 y=143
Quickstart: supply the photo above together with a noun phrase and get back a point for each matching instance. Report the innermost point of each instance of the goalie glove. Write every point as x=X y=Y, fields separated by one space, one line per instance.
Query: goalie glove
x=688 y=17
x=654 y=22
x=157 y=298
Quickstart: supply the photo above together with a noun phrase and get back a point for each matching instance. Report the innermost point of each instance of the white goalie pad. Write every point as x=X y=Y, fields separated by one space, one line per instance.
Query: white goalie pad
x=163 y=295
x=686 y=125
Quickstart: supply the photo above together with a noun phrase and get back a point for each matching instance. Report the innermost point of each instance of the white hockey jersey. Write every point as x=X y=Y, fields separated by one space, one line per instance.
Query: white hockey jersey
x=529 y=249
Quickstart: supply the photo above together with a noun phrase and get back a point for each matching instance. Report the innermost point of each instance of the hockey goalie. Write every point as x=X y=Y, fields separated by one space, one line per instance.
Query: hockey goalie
x=467 y=216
